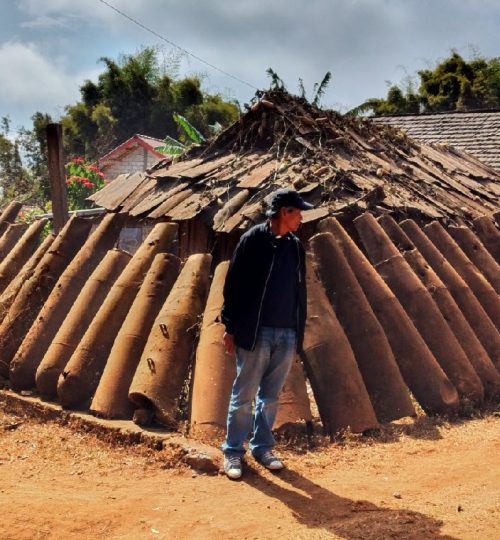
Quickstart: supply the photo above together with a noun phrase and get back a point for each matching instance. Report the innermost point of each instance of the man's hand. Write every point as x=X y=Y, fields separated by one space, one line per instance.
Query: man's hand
x=228 y=342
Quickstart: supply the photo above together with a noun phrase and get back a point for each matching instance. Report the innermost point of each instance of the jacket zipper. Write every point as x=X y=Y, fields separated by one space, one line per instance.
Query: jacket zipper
x=262 y=301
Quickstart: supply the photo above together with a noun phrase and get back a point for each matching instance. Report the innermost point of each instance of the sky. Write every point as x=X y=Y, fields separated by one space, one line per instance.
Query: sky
x=49 y=47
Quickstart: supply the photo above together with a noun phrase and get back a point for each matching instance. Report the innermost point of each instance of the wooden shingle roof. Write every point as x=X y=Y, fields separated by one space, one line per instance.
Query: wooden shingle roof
x=477 y=133
x=340 y=164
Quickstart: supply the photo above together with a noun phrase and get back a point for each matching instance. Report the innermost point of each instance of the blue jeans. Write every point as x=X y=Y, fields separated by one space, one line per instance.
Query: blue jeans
x=260 y=374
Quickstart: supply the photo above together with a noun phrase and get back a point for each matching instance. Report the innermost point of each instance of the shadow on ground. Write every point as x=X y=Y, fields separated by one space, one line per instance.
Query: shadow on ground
x=318 y=508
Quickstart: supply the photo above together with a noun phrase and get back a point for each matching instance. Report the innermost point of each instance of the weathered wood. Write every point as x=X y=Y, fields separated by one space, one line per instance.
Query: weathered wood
x=229 y=209
x=421 y=371
x=58 y=190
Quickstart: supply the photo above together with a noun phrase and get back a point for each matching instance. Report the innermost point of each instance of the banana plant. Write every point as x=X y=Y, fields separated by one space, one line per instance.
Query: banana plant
x=174 y=147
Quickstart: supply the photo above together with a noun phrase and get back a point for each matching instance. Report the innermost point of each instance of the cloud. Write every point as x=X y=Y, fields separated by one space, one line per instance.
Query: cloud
x=32 y=82
x=46 y=22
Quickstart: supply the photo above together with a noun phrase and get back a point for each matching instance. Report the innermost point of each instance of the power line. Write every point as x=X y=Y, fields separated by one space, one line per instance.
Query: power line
x=185 y=51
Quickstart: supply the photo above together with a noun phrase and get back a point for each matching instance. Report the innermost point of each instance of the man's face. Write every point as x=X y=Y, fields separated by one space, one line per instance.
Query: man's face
x=291 y=218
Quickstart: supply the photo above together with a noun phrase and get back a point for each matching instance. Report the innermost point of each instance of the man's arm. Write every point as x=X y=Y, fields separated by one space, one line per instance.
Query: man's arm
x=234 y=281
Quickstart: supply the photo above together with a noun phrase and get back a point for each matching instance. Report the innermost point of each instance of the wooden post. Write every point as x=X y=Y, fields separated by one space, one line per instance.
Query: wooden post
x=58 y=191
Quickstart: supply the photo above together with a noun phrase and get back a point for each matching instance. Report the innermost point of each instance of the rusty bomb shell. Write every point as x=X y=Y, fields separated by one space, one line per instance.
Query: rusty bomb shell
x=72 y=329
x=478 y=284
x=79 y=379
x=469 y=305
x=20 y=253
x=338 y=387
x=36 y=290
x=294 y=405
x=421 y=371
x=164 y=364
x=8 y=215
x=489 y=235
x=111 y=397
x=36 y=342
x=419 y=305
x=10 y=238
x=478 y=254
x=383 y=380
x=471 y=345
x=10 y=292
x=214 y=369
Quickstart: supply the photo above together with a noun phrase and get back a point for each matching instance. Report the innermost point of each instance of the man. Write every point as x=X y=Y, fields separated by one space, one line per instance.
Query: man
x=264 y=314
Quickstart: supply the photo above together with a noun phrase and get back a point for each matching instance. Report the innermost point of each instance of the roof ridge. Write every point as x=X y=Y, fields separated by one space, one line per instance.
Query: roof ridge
x=439 y=113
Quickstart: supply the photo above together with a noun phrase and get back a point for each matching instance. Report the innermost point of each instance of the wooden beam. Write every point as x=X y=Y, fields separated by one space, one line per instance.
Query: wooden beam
x=58 y=192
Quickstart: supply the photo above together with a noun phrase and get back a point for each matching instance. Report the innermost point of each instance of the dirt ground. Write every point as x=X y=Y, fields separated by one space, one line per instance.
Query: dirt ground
x=417 y=479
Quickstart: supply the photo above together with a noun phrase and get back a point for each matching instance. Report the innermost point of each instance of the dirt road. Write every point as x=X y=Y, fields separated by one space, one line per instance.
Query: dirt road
x=417 y=480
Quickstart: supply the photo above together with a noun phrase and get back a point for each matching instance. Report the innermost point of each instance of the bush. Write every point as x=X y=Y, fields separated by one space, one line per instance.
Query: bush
x=82 y=180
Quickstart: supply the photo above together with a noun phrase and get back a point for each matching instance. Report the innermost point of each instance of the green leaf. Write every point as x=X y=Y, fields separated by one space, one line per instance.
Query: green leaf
x=173 y=142
x=191 y=132
x=170 y=150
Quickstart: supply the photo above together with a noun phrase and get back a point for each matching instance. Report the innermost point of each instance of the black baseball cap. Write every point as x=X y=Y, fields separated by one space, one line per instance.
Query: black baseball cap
x=286 y=198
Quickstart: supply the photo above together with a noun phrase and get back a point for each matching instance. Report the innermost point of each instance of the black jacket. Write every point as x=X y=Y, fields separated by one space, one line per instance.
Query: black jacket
x=245 y=286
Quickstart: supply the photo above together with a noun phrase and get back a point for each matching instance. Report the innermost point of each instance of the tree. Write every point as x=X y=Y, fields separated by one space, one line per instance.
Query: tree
x=135 y=94
x=15 y=181
x=454 y=84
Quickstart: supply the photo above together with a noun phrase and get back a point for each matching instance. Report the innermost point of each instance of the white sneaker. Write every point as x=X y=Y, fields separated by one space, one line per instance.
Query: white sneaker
x=270 y=461
x=233 y=467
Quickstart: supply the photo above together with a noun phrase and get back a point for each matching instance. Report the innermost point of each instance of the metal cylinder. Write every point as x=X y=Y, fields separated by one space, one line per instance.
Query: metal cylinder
x=36 y=290
x=164 y=364
x=10 y=238
x=20 y=253
x=469 y=305
x=478 y=284
x=80 y=377
x=8 y=215
x=384 y=382
x=9 y=294
x=419 y=305
x=421 y=371
x=214 y=369
x=478 y=254
x=338 y=387
x=111 y=397
x=77 y=321
x=489 y=235
x=468 y=340
x=294 y=406
x=60 y=300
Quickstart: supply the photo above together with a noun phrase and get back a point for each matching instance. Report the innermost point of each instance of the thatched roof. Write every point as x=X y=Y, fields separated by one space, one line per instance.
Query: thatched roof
x=343 y=165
